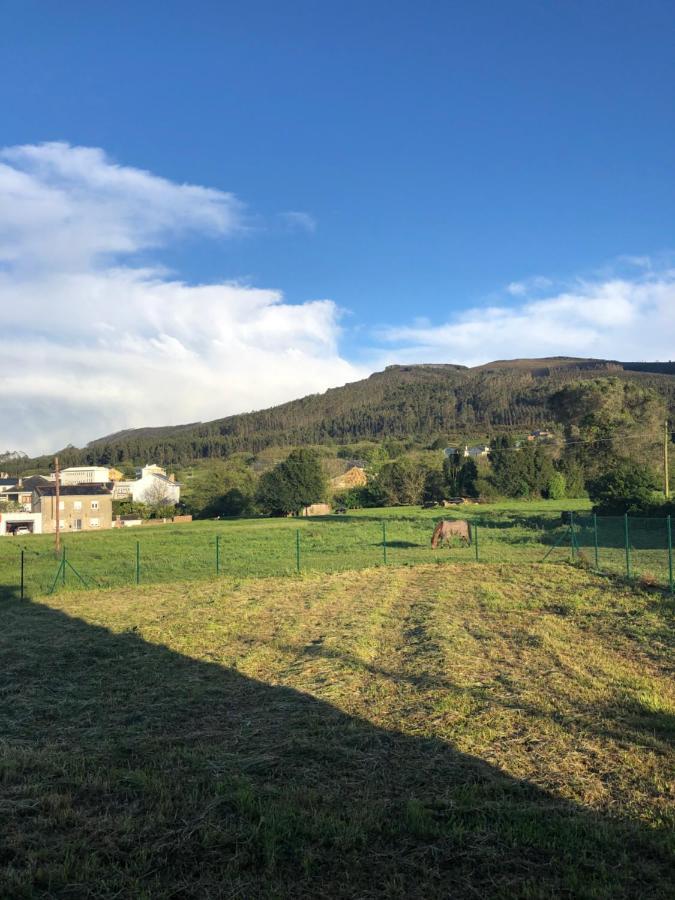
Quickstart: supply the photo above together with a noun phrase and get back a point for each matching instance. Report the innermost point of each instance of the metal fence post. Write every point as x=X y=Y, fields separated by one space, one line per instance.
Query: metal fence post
x=595 y=539
x=297 y=550
x=217 y=554
x=670 y=554
x=573 y=536
x=384 y=543
x=63 y=567
x=475 y=535
x=138 y=562
x=22 y=552
x=627 y=533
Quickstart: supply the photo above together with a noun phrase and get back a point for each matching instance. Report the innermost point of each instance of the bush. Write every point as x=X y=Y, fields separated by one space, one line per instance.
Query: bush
x=626 y=488
x=556 y=486
x=129 y=508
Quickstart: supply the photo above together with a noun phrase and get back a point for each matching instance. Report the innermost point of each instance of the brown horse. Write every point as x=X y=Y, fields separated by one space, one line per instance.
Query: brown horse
x=446 y=529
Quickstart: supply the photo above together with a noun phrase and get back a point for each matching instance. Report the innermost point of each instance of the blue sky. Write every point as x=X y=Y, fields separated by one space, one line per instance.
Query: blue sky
x=407 y=162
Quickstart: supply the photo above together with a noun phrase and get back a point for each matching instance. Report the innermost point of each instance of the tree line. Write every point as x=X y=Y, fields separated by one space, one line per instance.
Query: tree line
x=408 y=403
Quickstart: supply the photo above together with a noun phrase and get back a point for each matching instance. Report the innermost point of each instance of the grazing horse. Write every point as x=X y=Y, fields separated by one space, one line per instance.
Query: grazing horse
x=446 y=529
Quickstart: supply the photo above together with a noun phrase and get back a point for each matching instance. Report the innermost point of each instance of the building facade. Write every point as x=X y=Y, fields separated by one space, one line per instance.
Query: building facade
x=81 y=507
x=85 y=475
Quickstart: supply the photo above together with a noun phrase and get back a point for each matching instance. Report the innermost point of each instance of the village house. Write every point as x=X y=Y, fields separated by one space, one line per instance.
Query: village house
x=82 y=507
x=479 y=451
x=20 y=491
x=540 y=436
x=355 y=476
x=151 y=483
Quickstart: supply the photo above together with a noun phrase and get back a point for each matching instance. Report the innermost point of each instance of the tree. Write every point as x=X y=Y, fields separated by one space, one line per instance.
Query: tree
x=218 y=488
x=520 y=471
x=609 y=419
x=626 y=488
x=434 y=487
x=451 y=466
x=296 y=482
x=467 y=479
x=158 y=499
x=402 y=482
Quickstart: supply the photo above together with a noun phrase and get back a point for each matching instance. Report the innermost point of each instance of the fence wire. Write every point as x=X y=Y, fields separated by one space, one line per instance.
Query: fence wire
x=628 y=546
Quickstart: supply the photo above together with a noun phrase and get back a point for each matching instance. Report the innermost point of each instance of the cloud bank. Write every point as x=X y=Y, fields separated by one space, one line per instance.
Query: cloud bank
x=624 y=318
x=92 y=341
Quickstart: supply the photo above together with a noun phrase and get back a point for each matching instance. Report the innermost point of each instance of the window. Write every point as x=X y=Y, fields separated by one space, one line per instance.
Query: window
x=77 y=525
x=77 y=504
x=93 y=523
x=62 y=523
x=94 y=504
x=62 y=504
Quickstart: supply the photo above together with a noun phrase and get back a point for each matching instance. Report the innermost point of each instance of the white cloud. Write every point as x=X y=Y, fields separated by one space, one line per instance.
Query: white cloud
x=613 y=318
x=528 y=286
x=92 y=343
x=299 y=221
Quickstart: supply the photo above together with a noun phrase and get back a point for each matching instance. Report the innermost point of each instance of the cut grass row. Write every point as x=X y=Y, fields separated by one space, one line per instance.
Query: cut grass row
x=465 y=730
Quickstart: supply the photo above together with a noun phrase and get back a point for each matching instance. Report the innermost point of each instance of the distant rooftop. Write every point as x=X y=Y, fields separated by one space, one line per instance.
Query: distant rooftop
x=72 y=490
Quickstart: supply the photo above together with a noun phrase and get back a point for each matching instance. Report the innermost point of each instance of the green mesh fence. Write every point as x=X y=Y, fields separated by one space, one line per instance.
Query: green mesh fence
x=626 y=546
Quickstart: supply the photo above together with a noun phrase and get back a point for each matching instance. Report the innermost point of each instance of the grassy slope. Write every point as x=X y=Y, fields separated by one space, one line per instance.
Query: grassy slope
x=465 y=731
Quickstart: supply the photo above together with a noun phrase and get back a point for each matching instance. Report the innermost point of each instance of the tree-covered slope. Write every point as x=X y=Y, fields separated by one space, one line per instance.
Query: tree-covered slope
x=403 y=401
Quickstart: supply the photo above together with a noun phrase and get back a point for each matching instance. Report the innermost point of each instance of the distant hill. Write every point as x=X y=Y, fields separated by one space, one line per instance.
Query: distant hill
x=403 y=401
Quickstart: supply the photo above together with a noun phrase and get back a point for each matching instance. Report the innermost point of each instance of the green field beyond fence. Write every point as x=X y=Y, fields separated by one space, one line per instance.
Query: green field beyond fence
x=627 y=546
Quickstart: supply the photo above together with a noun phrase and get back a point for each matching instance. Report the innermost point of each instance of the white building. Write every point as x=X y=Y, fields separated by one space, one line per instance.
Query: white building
x=151 y=485
x=478 y=452
x=85 y=475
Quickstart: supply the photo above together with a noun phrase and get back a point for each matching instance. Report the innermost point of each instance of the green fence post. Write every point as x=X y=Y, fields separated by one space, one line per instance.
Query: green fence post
x=595 y=539
x=22 y=552
x=138 y=562
x=475 y=536
x=63 y=567
x=573 y=543
x=384 y=543
x=217 y=554
x=297 y=550
x=670 y=554
x=627 y=533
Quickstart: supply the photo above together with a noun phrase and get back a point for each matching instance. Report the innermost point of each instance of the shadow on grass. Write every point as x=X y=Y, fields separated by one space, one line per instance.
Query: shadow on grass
x=132 y=770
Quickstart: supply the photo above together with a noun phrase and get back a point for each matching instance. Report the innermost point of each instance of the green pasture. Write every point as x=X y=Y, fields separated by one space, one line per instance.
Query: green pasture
x=502 y=533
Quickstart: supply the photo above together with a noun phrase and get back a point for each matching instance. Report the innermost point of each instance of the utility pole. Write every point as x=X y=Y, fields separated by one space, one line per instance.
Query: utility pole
x=57 y=499
x=666 y=477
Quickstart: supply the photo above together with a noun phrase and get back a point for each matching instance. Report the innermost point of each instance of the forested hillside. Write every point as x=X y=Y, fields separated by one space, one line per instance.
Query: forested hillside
x=415 y=402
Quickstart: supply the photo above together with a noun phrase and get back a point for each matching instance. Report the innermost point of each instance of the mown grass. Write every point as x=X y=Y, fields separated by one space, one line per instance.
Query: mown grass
x=438 y=731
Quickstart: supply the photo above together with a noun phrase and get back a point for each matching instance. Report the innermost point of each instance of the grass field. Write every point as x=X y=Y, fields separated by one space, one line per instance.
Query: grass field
x=467 y=730
x=506 y=532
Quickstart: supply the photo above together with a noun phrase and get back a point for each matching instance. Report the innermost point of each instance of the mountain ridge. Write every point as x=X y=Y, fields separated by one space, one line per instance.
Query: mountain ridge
x=402 y=401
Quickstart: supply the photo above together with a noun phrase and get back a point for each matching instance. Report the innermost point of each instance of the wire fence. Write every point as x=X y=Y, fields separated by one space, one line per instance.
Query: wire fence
x=632 y=547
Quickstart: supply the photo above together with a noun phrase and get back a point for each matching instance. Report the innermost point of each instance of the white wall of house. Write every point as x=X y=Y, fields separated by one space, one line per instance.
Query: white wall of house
x=143 y=488
x=148 y=483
